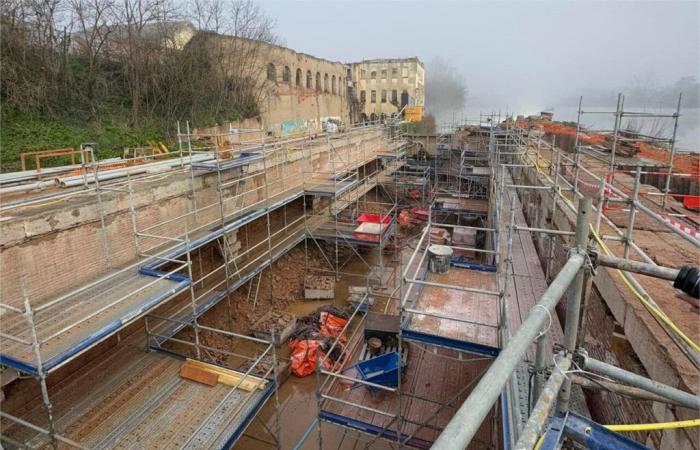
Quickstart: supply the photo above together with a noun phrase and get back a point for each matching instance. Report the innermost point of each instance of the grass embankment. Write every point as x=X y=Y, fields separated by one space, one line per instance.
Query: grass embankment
x=20 y=133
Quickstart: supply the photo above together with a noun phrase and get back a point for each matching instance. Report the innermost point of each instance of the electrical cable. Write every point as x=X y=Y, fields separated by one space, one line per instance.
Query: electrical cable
x=651 y=308
x=641 y=427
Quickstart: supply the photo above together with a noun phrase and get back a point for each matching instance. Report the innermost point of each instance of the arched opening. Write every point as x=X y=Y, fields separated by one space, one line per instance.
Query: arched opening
x=325 y=83
x=318 y=81
x=271 y=72
x=373 y=117
x=309 y=79
x=298 y=78
x=404 y=98
x=363 y=118
x=373 y=75
x=334 y=87
x=286 y=74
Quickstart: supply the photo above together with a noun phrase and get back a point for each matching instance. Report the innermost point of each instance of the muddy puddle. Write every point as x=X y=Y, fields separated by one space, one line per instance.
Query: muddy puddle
x=297 y=396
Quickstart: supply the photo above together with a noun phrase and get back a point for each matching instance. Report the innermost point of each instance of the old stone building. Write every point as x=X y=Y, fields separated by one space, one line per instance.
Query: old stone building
x=297 y=92
x=381 y=87
x=301 y=91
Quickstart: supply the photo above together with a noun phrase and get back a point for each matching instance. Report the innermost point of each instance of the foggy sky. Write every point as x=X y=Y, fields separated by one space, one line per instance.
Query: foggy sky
x=512 y=54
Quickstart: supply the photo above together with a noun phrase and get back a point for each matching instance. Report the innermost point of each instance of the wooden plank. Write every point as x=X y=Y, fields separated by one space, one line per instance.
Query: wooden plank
x=231 y=377
x=198 y=374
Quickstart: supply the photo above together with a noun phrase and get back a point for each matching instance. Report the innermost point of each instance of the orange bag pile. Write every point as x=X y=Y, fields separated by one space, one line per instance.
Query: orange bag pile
x=306 y=353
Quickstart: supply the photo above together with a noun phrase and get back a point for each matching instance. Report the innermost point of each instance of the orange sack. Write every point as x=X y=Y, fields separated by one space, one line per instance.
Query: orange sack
x=304 y=355
x=332 y=325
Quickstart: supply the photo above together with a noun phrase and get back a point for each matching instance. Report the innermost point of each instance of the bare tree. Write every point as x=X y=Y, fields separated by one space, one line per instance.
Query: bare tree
x=91 y=59
x=92 y=19
x=34 y=49
x=137 y=49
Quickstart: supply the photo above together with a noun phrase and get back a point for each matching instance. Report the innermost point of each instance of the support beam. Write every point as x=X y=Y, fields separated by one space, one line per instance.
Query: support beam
x=684 y=398
x=620 y=389
x=573 y=304
x=545 y=403
x=628 y=265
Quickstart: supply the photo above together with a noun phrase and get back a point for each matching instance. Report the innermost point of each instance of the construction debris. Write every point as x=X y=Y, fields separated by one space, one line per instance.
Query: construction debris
x=319 y=287
x=274 y=327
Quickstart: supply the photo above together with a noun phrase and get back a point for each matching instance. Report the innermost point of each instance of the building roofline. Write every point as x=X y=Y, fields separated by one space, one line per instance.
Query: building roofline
x=389 y=60
x=281 y=47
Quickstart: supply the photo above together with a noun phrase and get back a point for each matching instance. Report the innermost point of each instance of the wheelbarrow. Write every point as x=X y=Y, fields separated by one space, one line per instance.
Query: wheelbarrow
x=383 y=370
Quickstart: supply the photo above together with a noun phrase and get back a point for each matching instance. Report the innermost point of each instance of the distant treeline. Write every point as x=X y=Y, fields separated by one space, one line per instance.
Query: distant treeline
x=645 y=95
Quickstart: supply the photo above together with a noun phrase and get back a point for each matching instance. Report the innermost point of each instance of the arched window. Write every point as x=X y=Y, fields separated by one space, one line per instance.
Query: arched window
x=286 y=74
x=318 y=81
x=326 y=86
x=309 y=79
x=334 y=88
x=271 y=72
x=298 y=80
x=373 y=75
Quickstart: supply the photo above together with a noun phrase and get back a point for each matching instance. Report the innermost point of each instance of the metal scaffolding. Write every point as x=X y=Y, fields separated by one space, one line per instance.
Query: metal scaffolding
x=251 y=179
x=321 y=185
x=522 y=167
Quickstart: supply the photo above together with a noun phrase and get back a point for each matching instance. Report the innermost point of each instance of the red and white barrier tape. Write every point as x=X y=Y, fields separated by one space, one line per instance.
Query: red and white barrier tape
x=675 y=224
x=679 y=226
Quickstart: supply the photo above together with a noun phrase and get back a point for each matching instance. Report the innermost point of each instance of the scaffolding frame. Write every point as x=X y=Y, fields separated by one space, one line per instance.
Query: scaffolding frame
x=515 y=152
x=619 y=114
x=179 y=237
x=462 y=427
x=477 y=352
x=511 y=150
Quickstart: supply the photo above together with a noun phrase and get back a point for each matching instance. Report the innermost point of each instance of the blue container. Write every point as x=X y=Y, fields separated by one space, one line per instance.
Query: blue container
x=383 y=369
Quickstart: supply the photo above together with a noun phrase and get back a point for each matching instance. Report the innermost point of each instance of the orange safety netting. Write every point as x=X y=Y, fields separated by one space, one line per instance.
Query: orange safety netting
x=561 y=129
x=684 y=163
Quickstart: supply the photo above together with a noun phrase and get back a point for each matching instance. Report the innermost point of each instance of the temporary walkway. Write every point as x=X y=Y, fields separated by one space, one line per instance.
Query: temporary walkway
x=138 y=393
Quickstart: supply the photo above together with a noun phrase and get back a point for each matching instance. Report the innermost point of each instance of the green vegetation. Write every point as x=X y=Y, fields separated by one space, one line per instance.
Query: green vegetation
x=121 y=79
x=20 y=132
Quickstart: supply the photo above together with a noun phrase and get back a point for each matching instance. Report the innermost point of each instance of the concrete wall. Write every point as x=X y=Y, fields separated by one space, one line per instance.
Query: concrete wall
x=61 y=245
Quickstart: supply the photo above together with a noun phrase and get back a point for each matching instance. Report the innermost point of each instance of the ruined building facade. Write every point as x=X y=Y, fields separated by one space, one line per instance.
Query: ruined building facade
x=384 y=86
x=297 y=92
